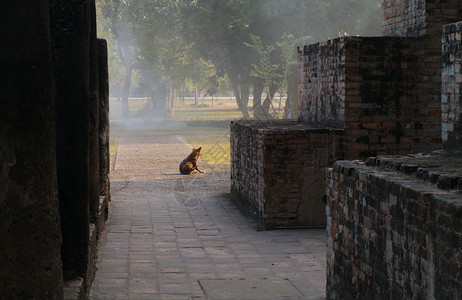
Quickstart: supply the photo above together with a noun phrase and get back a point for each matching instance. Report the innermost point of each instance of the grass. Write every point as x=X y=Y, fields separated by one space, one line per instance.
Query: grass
x=196 y=114
x=117 y=127
x=215 y=148
x=222 y=109
x=113 y=148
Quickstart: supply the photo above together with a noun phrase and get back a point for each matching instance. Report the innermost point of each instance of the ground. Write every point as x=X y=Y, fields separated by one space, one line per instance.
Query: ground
x=172 y=236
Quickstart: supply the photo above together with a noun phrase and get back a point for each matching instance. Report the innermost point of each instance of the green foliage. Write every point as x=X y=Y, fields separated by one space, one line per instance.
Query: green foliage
x=270 y=68
x=212 y=44
x=265 y=69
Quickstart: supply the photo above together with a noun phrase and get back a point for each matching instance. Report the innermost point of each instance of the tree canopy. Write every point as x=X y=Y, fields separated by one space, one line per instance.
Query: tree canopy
x=174 y=44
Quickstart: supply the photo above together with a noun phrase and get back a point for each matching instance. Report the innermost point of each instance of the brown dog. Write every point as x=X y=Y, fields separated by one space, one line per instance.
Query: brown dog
x=189 y=164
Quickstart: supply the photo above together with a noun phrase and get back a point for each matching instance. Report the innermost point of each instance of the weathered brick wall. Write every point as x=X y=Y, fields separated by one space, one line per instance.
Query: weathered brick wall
x=418 y=18
x=451 y=106
x=382 y=91
x=395 y=229
x=321 y=83
x=404 y=18
x=277 y=171
x=247 y=168
x=392 y=105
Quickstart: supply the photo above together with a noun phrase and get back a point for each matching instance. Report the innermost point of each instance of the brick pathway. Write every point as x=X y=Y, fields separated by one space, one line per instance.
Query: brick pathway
x=172 y=236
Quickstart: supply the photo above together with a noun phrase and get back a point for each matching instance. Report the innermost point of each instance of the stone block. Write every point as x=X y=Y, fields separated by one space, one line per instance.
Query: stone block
x=402 y=223
x=284 y=187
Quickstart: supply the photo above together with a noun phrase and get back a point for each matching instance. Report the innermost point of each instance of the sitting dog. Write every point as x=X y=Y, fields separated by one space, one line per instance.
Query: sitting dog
x=189 y=164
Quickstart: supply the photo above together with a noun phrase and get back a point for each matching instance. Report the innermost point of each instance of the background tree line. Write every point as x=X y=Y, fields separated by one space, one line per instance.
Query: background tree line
x=163 y=48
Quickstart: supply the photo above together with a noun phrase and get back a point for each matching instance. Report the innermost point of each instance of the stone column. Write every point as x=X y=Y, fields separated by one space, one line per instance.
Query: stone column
x=70 y=32
x=103 y=76
x=30 y=235
x=93 y=134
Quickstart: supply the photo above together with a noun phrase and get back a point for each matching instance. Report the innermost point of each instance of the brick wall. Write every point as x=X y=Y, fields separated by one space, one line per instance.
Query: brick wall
x=404 y=18
x=321 y=83
x=395 y=229
x=418 y=18
x=277 y=171
x=382 y=91
x=451 y=105
x=247 y=168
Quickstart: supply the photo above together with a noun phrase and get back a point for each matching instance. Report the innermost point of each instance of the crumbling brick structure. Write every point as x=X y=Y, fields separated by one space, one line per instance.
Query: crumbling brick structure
x=451 y=131
x=45 y=138
x=375 y=95
x=379 y=90
x=394 y=223
x=279 y=166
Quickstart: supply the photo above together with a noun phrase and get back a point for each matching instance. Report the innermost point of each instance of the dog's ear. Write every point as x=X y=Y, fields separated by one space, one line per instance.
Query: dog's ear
x=199 y=149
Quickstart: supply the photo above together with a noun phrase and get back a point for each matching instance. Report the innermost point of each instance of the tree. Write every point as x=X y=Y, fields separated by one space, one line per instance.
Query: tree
x=217 y=30
x=166 y=60
x=119 y=15
x=175 y=42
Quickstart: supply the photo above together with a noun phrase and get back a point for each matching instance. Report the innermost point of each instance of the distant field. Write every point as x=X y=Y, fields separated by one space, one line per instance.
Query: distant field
x=222 y=109
x=215 y=148
x=202 y=126
x=213 y=140
x=186 y=114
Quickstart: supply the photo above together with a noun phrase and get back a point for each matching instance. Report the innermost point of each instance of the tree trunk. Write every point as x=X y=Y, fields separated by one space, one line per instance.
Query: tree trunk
x=126 y=92
x=245 y=93
x=267 y=103
x=258 y=112
x=242 y=97
x=196 y=102
x=173 y=98
x=150 y=106
x=162 y=100
x=291 y=107
x=180 y=95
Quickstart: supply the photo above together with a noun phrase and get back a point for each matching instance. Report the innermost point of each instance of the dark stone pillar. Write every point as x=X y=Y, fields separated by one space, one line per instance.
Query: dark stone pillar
x=30 y=237
x=70 y=31
x=93 y=134
x=104 y=164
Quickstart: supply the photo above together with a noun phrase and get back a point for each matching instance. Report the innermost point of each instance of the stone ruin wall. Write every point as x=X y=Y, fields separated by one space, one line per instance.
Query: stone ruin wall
x=370 y=88
x=44 y=148
x=247 y=169
x=321 y=70
x=383 y=92
x=394 y=229
x=30 y=237
x=451 y=104
x=419 y=18
x=404 y=18
x=277 y=171
x=394 y=223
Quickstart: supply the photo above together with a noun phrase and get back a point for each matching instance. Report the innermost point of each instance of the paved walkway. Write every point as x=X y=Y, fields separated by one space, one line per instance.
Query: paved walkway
x=172 y=236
